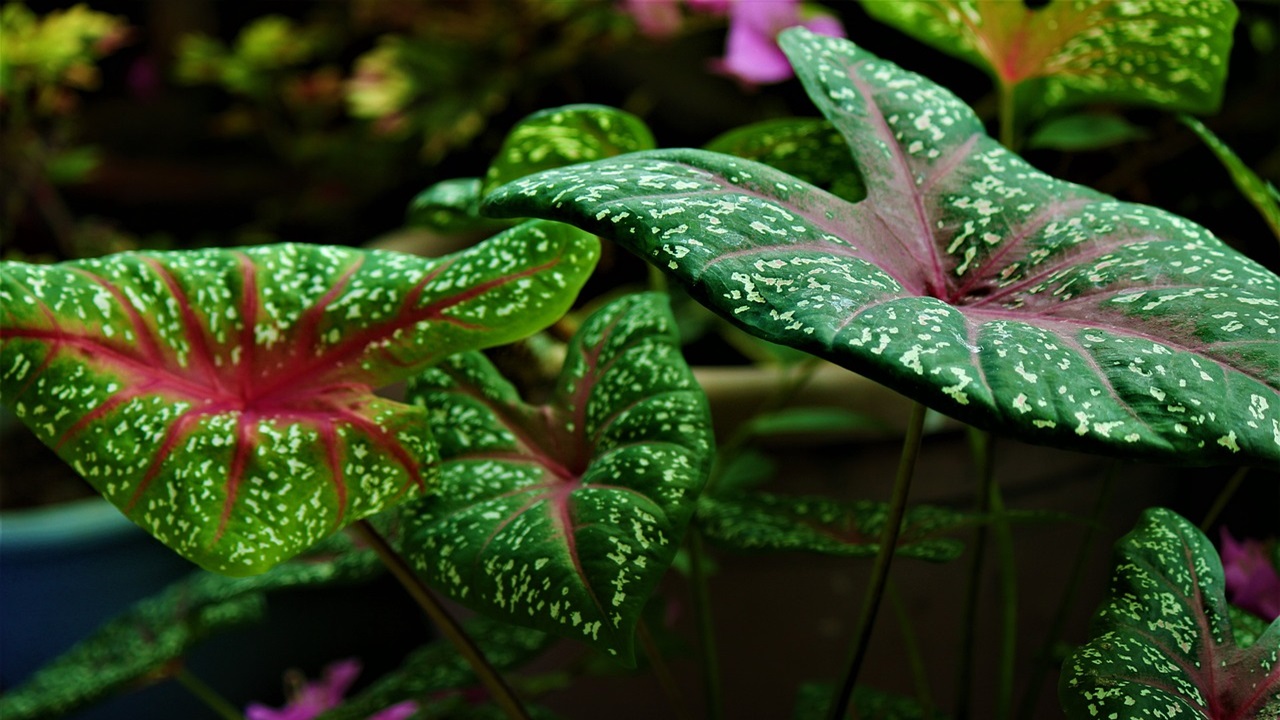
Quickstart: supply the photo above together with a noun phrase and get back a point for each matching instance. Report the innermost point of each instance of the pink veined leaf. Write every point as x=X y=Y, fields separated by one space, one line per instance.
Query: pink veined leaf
x=966 y=278
x=223 y=399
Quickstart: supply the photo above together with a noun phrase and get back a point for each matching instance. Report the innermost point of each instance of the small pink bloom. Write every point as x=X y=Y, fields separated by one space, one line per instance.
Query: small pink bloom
x=752 y=54
x=656 y=19
x=309 y=699
x=1252 y=581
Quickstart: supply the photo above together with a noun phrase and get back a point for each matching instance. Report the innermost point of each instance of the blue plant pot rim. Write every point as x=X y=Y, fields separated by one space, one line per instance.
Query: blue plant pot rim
x=79 y=522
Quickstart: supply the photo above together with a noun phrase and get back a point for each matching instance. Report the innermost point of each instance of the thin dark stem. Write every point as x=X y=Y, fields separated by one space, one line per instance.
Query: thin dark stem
x=1008 y=604
x=207 y=695
x=1224 y=497
x=911 y=646
x=662 y=673
x=884 y=560
x=489 y=677
x=706 y=624
x=1044 y=656
x=980 y=449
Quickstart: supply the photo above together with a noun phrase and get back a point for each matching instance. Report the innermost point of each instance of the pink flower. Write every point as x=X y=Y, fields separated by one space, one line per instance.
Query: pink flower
x=309 y=699
x=1252 y=581
x=752 y=54
x=656 y=18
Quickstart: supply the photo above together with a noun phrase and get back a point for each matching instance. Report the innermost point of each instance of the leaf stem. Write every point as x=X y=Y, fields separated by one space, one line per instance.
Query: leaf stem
x=706 y=624
x=207 y=695
x=1008 y=128
x=1043 y=660
x=884 y=560
x=980 y=450
x=501 y=692
x=1008 y=603
x=662 y=673
x=911 y=646
x=1224 y=497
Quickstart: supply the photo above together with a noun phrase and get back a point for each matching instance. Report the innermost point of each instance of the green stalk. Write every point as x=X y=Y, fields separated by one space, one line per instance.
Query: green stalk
x=1044 y=656
x=911 y=645
x=1008 y=604
x=1008 y=129
x=662 y=673
x=421 y=594
x=884 y=560
x=706 y=624
x=207 y=695
x=980 y=450
x=1224 y=497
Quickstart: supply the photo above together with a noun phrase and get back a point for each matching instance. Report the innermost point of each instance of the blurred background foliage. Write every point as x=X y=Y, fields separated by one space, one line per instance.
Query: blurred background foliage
x=154 y=124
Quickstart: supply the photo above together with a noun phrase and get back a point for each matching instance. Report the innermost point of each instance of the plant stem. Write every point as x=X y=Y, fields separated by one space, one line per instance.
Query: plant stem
x=1008 y=604
x=1223 y=498
x=207 y=695
x=1044 y=656
x=883 y=562
x=1008 y=130
x=662 y=673
x=980 y=449
x=911 y=645
x=418 y=590
x=706 y=624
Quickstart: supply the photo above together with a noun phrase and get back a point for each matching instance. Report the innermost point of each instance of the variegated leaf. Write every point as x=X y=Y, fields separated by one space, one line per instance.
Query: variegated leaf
x=223 y=399
x=565 y=516
x=1260 y=193
x=967 y=279
x=1163 y=643
x=808 y=148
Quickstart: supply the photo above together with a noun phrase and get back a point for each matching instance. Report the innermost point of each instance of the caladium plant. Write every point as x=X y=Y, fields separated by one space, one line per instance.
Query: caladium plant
x=565 y=516
x=1163 y=643
x=224 y=399
x=966 y=279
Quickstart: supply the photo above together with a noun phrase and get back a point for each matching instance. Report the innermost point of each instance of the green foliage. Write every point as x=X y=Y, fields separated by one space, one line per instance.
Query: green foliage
x=1162 y=644
x=1260 y=193
x=146 y=643
x=58 y=49
x=223 y=399
x=1168 y=53
x=565 y=516
x=808 y=148
x=1084 y=131
x=966 y=279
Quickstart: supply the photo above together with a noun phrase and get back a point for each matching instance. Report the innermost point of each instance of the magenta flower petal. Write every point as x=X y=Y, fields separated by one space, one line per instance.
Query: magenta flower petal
x=752 y=54
x=313 y=698
x=399 y=711
x=1252 y=581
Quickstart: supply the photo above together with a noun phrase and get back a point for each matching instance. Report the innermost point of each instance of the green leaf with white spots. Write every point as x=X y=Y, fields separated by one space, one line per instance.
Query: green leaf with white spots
x=436 y=674
x=766 y=522
x=1163 y=643
x=449 y=206
x=563 y=136
x=1260 y=193
x=223 y=399
x=967 y=279
x=565 y=516
x=147 y=642
x=808 y=148
x=1167 y=53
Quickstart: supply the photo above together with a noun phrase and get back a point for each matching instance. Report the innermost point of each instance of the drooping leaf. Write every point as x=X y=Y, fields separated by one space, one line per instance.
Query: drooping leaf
x=1162 y=644
x=767 y=522
x=967 y=279
x=565 y=516
x=1168 y=53
x=146 y=642
x=564 y=136
x=436 y=674
x=224 y=399
x=814 y=698
x=1084 y=131
x=808 y=148
x=1260 y=193
x=812 y=420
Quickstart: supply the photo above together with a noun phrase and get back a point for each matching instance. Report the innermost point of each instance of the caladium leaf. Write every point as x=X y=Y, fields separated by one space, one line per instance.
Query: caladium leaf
x=449 y=206
x=224 y=399
x=435 y=673
x=808 y=148
x=1085 y=131
x=768 y=522
x=564 y=136
x=1260 y=193
x=565 y=516
x=149 y=640
x=967 y=279
x=1168 y=53
x=1162 y=642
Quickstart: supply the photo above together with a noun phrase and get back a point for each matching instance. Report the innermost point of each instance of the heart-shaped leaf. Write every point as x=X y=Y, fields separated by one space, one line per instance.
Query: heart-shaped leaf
x=1260 y=193
x=768 y=522
x=565 y=516
x=224 y=399
x=564 y=136
x=808 y=148
x=967 y=279
x=435 y=673
x=1162 y=643
x=144 y=644
x=1168 y=53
